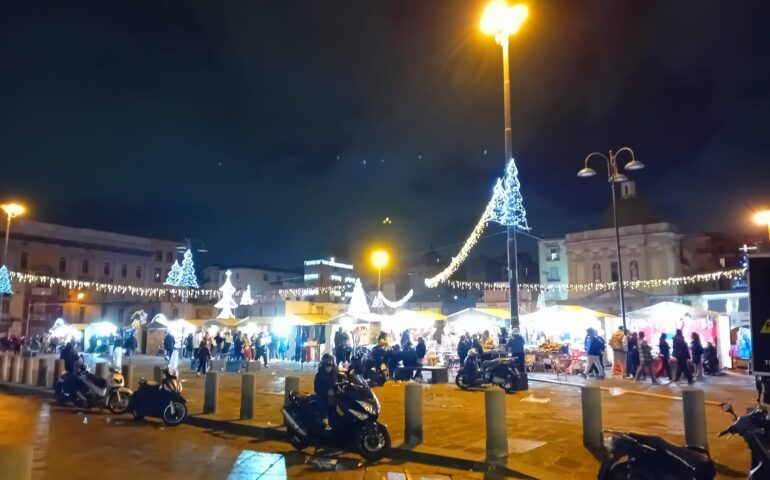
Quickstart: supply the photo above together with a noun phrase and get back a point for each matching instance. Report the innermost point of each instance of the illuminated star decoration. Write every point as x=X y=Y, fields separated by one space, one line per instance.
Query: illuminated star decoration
x=5 y=281
x=508 y=204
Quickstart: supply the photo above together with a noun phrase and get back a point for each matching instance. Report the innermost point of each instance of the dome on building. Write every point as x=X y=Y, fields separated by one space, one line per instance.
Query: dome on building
x=631 y=209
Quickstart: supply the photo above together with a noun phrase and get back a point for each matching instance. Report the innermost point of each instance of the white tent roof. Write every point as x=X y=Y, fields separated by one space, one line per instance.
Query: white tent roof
x=671 y=310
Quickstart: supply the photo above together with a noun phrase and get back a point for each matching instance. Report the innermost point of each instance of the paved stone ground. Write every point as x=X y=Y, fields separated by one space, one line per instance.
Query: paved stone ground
x=544 y=424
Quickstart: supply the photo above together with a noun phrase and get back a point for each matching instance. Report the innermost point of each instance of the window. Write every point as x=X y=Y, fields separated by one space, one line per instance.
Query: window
x=597 y=273
x=553 y=275
x=82 y=314
x=106 y=269
x=121 y=311
x=24 y=260
x=237 y=276
x=614 y=275
x=169 y=257
x=84 y=266
x=174 y=312
x=62 y=264
x=722 y=262
x=158 y=256
x=278 y=278
x=634 y=268
x=156 y=276
x=124 y=271
x=139 y=271
x=265 y=277
x=553 y=254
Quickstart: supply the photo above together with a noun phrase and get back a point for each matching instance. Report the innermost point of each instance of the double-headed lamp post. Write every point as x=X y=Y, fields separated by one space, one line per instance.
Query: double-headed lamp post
x=763 y=218
x=380 y=259
x=12 y=210
x=501 y=21
x=614 y=177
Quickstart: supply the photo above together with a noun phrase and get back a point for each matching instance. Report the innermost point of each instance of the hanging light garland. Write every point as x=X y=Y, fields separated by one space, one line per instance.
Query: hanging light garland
x=112 y=288
x=605 y=286
x=398 y=303
x=308 y=291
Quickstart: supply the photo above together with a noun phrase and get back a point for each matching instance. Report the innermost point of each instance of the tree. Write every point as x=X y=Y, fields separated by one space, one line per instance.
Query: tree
x=246 y=299
x=5 y=282
x=226 y=303
x=172 y=279
x=358 y=303
x=187 y=278
x=508 y=204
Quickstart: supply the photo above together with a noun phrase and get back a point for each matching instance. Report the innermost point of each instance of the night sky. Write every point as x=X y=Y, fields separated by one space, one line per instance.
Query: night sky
x=278 y=131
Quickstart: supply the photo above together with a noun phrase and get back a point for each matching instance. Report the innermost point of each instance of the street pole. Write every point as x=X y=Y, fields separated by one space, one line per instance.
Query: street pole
x=513 y=274
x=620 y=263
x=379 y=279
x=5 y=262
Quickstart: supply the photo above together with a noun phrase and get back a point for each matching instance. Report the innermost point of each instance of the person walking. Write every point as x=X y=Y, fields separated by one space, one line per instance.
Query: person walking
x=227 y=344
x=340 y=338
x=682 y=354
x=129 y=345
x=645 y=359
x=595 y=352
x=462 y=349
x=218 y=340
x=168 y=345
x=619 y=346
x=246 y=345
x=188 y=346
x=204 y=356
x=421 y=350
x=696 y=347
x=632 y=358
x=516 y=348
x=665 y=355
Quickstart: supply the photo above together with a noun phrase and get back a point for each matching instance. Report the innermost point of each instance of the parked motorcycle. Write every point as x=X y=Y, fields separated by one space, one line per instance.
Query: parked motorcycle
x=501 y=372
x=754 y=427
x=353 y=422
x=88 y=390
x=163 y=400
x=370 y=366
x=636 y=456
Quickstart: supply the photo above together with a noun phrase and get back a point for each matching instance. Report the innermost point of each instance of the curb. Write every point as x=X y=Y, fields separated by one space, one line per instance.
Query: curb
x=28 y=390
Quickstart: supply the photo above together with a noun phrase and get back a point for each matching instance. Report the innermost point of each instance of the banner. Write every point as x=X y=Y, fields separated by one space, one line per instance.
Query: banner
x=759 y=302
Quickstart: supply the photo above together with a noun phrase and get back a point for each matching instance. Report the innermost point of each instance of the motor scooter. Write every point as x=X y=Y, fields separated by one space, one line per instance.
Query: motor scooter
x=754 y=427
x=501 y=372
x=86 y=389
x=370 y=366
x=163 y=400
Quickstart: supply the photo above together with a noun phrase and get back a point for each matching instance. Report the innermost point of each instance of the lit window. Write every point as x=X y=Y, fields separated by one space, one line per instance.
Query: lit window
x=553 y=254
x=597 y=270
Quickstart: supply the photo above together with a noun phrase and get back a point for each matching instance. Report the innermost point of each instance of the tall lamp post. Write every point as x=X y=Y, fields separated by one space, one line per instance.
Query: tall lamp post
x=380 y=259
x=614 y=177
x=763 y=218
x=12 y=210
x=501 y=21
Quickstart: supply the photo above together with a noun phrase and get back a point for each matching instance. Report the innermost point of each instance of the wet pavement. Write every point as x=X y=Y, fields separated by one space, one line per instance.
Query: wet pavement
x=68 y=443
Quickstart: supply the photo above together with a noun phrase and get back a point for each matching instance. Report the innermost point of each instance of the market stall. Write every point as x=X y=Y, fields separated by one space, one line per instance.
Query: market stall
x=97 y=335
x=64 y=332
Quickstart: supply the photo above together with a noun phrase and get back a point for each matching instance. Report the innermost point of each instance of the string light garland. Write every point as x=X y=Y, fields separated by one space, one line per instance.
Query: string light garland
x=398 y=303
x=112 y=288
x=309 y=291
x=605 y=286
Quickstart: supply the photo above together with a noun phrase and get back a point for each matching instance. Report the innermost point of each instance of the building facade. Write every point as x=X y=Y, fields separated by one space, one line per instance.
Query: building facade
x=337 y=277
x=552 y=260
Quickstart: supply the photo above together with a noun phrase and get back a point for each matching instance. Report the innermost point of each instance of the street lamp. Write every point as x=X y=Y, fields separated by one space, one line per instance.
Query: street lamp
x=501 y=20
x=11 y=210
x=763 y=218
x=614 y=177
x=188 y=243
x=380 y=259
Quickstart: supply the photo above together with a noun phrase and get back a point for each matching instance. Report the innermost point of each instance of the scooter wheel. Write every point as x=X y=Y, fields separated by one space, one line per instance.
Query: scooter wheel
x=373 y=442
x=460 y=381
x=172 y=419
x=296 y=440
x=625 y=470
x=509 y=384
x=116 y=405
x=59 y=395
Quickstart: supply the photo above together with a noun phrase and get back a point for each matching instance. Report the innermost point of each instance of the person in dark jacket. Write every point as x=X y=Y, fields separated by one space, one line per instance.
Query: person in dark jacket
x=595 y=353
x=394 y=358
x=710 y=360
x=129 y=345
x=204 y=356
x=409 y=357
x=475 y=343
x=516 y=348
x=405 y=338
x=237 y=351
x=462 y=349
x=168 y=344
x=219 y=340
x=188 y=346
x=323 y=384
x=682 y=355
x=697 y=355
x=340 y=339
x=70 y=356
x=632 y=363
x=421 y=351
x=665 y=355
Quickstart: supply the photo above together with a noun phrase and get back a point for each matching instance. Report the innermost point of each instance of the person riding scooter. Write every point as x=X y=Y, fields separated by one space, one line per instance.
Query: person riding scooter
x=323 y=385
x=472 y=365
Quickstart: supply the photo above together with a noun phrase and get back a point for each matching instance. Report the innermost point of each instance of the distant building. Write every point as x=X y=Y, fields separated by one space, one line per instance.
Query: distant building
x=261 y=278
x=552 y=260
x=328 y=274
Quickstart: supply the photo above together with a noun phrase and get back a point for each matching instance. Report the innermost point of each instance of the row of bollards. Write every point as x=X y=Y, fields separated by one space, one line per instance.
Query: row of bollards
x=694 y=413
x=248 y=393
x=16 y=369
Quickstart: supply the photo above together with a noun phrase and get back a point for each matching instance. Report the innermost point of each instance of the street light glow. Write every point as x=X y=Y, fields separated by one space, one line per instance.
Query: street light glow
x=762 y=218
x=380 y=258
x=13 y=209
x=500 y=19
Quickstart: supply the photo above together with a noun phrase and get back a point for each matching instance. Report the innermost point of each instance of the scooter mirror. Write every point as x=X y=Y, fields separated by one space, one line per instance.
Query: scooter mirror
x=726 y=407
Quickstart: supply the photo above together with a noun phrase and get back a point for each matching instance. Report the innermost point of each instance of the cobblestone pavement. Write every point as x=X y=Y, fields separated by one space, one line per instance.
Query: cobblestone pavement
x=544 y=424
x=68 y=443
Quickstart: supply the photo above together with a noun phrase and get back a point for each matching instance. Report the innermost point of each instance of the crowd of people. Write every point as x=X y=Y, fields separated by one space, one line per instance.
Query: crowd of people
x=633 y=356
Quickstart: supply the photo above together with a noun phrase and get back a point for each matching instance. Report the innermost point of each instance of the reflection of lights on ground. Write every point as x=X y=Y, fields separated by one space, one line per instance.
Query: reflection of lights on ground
x=616 y=391
x=250 y=465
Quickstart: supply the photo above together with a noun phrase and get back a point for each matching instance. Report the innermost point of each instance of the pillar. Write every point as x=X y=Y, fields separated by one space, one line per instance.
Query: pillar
x=497 y=436
x=42 y=372
x=211 y=392
x=15 y=374
x=693 y=402
x=28 y=371
x=412 y=414
x=248 y=391
x=591 y=399
x=5 y=362
x=128 y=374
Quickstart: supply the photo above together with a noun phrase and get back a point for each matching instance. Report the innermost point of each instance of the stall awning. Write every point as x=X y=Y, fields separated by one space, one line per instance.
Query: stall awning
x=496 y=313
x=671 y=310
x=426 y=315
x=308 y=319
x=564 y=313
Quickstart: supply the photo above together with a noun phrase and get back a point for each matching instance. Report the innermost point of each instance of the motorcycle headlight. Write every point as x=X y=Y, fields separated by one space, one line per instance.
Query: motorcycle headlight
x=368 y=407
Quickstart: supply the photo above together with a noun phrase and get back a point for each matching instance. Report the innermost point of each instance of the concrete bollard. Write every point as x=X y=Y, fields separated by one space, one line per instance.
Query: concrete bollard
x=412 y=414
x=101 y=370
x=58 y=370
x=497 y=436
x=248 y=391
x=15 y=374
x=28 y=371
x=252 y=367
x=128 y=375
x=591 y=399
x=5 y=361
x=694 y=405
x=16 y=462
x=218 y=364
x=211 y=392
x=157 y=374
x=42 y=372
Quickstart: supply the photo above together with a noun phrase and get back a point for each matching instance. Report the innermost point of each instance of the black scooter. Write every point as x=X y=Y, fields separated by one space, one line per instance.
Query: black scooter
x=162 y=400
x=754 y=427
x=650 y=457
x=370 y=366
x=501 y=372
x=353 y=422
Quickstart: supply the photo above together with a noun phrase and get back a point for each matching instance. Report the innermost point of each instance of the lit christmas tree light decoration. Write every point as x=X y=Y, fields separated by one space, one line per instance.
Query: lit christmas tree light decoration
x=508 y=204
x=246 y=299
x=187 y=276
x=5 y=281
x=226 y=303
x=358 y=303
x=172 y=279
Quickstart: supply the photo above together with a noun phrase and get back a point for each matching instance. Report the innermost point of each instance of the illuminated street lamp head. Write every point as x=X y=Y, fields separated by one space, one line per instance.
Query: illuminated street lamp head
x=634 y=164
x=13 y=209
x=380 y=258
x=501 y=20
x=586 y=172
x=762 y=217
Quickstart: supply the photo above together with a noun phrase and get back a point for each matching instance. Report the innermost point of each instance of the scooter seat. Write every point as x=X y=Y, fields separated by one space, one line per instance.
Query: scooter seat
x=691 y=455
